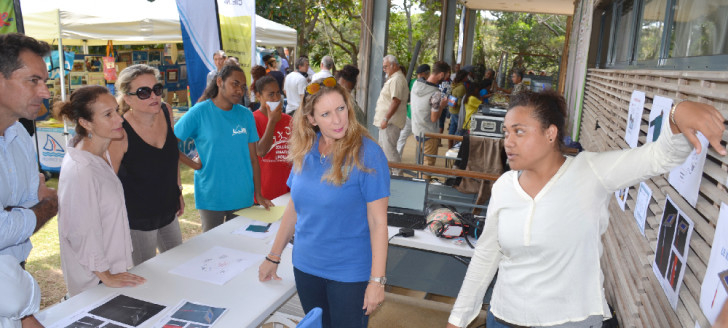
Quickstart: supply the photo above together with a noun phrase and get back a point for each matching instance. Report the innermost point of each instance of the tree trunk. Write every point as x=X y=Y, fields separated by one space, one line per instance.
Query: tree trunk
x=407 y=13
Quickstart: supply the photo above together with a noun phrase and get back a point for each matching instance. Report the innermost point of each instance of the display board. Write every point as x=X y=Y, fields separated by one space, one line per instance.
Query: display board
x=631 y=286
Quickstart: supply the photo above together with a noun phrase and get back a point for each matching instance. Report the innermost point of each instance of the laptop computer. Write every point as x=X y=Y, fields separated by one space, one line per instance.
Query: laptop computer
x=407 y=203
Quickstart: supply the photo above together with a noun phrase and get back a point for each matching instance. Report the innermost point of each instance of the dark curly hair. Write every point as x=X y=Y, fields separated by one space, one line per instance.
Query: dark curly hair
x=255 y=73
x=212 y=89
x=12 y=44
x=549 y=107
x=348 y=73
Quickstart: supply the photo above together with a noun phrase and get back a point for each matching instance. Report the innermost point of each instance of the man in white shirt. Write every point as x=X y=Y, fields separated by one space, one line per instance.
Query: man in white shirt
x=21 y=294
x=26 y=204
x=390 y=113
x=219 y=59
x=327 y=65
x=295 y=85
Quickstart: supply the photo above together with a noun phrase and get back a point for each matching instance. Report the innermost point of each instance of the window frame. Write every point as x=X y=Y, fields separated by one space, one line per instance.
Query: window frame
x=699 y=63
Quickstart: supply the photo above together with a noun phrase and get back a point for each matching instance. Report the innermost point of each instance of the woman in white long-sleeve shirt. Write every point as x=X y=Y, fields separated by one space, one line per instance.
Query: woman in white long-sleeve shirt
x=93 y=227
x=546 y=216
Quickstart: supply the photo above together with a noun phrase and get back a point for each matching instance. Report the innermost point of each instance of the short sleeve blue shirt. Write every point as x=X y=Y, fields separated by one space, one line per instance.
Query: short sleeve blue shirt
x=225 y=181
x=332 y=237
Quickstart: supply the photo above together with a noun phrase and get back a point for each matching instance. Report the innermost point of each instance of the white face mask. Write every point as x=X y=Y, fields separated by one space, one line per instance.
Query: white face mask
x=272 y=105
x=471 y=79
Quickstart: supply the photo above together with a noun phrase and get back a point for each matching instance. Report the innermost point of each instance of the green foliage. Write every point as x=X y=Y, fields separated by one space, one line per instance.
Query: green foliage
x=307 y=17
x=520 y=33
x=425 y=28
x=338 y=33
x=334 y=28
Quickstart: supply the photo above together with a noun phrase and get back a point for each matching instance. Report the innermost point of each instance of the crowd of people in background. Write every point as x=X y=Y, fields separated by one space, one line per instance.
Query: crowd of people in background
x=292 y=130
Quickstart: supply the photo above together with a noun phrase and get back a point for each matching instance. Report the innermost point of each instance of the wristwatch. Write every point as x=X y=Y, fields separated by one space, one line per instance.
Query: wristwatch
x=380 y=280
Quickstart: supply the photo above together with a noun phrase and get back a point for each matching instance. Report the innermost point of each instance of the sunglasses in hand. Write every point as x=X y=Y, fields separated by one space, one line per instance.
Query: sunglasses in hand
x=146 y=92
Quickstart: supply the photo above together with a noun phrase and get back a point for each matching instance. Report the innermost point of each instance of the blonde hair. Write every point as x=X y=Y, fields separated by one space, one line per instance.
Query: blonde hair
x=129 y=74
x=347 y=150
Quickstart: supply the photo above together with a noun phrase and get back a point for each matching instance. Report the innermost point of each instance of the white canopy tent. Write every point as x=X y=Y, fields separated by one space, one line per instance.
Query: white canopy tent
x=93 y=23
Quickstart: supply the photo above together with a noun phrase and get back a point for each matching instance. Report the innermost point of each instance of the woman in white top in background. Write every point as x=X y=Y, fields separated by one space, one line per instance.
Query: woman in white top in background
x=546 y=216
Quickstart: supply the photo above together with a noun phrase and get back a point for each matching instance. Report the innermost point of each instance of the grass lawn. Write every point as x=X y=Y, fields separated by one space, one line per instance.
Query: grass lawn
x=44 y=262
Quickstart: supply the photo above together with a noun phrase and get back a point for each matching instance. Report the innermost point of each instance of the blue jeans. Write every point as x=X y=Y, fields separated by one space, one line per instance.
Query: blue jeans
x=443 y=116
x=341 y=302
x=453 y=128
x=491 y=323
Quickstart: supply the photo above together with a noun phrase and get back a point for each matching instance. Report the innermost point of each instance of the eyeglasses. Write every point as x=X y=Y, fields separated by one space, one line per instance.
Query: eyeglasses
x=146 y=92
x=316 y=86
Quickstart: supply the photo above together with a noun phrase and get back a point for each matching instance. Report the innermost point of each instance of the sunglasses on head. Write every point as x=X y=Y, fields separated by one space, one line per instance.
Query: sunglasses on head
x=316 y=86
x=146 y=92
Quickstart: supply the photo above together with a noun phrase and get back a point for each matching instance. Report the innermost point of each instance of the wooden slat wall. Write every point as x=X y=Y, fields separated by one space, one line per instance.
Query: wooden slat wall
x=630 y=285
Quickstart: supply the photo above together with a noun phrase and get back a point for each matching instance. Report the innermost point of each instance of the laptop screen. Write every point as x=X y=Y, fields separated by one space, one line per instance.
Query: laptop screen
x=407 y=193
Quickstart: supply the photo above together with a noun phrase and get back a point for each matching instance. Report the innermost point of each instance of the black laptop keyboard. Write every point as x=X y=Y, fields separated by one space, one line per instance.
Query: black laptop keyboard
x=406 y=220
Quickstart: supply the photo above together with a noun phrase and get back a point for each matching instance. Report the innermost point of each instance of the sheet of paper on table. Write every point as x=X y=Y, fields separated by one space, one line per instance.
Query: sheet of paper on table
x=261 y=214
x=189 y=314
x=115 y=311
x=247 y=230
x=217 y=265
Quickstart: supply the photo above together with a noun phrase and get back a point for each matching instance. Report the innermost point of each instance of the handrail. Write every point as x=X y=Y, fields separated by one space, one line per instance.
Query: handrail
x=444 y=171
x=567 y=150
x=443 y=136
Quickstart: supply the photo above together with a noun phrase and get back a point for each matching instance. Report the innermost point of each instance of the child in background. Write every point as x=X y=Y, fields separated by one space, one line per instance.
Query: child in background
x=472 y=102
x=274 y=130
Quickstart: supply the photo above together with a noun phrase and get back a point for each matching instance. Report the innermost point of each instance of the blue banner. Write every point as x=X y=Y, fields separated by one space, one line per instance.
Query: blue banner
x=200 y=37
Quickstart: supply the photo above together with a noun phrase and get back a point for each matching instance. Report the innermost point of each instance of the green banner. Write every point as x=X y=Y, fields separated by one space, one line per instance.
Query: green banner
x=7 y=17
x=237 y=31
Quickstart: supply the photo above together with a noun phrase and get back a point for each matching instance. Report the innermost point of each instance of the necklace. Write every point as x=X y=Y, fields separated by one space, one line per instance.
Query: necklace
x=324 y=154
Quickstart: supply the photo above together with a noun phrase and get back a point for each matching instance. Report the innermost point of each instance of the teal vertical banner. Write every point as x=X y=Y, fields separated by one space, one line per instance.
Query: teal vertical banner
x=7 y=17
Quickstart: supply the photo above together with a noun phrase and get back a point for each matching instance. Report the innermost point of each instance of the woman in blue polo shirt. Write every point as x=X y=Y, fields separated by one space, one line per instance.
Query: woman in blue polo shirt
x=338 y=210
x=225 y=136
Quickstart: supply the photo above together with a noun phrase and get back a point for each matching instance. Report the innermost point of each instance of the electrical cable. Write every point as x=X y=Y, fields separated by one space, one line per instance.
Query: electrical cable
x=461 y=260
x=396 y=235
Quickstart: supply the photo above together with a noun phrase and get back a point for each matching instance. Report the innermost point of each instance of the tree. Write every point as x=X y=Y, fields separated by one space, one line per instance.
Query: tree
x=302 y=15
x=529 y=35
x=341 y=28
x=406 y=28
x=321 y=25
x=485 y=49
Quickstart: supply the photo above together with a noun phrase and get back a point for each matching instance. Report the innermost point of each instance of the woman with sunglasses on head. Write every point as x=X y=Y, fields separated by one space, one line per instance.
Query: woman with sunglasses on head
x=274 y=130
x=225 y=136
x=146 y=160
x=338 y=210
x=92 y=219
x=546 y=217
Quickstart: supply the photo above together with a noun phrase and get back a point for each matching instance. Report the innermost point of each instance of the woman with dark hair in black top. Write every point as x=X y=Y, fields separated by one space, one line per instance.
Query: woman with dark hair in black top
x=147 y=162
